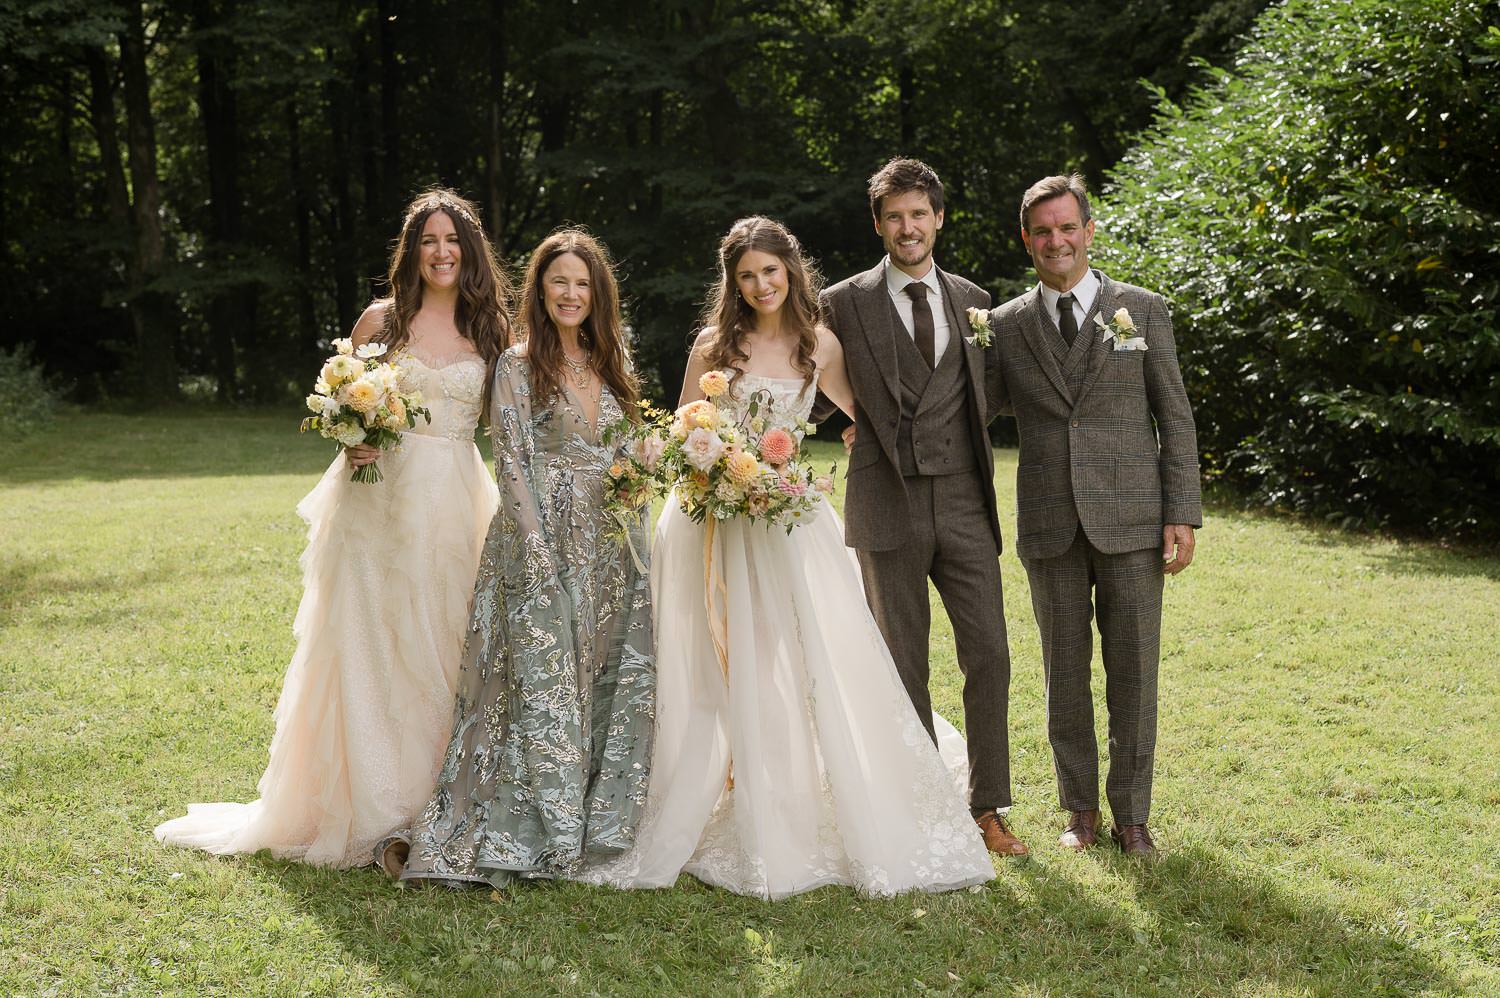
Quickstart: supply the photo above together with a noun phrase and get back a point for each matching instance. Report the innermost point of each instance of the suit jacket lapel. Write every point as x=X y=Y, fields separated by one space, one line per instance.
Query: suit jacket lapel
x=958 y=333
x=1034 y=327
x=877 y=323
x=1098 y=349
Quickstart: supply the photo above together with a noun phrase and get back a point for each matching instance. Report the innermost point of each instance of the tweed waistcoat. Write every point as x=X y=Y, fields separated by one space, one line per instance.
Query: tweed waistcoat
x=933 y=438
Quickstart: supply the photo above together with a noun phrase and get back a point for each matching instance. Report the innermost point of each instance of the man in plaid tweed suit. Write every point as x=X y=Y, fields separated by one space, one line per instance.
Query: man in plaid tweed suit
x=1107 y=498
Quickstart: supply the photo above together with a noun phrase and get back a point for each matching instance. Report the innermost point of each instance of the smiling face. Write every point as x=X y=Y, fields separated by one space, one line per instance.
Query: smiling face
x=762 y=280
x=1059 y=240
x=908 y=226
x=440 y=253
x=567 y=291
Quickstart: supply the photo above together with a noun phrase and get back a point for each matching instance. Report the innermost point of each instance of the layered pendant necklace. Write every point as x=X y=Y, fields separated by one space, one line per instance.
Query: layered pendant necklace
x=579 y=370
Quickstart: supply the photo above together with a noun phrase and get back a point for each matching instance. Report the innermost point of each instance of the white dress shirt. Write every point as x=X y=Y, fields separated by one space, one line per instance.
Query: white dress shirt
x=896 y=280
x=1084 y=293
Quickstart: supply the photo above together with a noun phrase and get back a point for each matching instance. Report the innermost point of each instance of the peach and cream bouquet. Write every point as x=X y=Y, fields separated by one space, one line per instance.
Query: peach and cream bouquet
x=721 y=468
x=359 y=399
x=752 y=467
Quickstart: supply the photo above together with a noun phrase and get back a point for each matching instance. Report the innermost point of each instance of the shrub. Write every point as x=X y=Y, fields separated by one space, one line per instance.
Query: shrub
x=1325 y=216
x=30 y=397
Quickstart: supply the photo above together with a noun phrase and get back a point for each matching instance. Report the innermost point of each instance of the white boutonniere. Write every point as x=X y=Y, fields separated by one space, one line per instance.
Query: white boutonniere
x=979 y=321
x=1121 y=329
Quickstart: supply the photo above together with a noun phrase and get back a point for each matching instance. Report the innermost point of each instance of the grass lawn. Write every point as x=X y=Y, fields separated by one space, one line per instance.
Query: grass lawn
x=1327 y=791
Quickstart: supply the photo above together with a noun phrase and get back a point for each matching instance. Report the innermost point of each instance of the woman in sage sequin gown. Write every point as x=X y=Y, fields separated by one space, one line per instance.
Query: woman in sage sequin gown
x=551 y=742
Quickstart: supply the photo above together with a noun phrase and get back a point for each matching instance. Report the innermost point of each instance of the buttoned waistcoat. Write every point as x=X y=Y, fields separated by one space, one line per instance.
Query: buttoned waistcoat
x=892 y=418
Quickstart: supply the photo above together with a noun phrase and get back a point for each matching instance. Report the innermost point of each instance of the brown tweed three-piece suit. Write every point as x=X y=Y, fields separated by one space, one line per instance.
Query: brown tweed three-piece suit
x=920 y=504
x=1109 y=455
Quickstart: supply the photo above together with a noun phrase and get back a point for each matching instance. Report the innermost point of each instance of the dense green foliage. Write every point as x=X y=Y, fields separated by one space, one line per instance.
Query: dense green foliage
x=30 y=398
x=200 y=188
x=1326 y=217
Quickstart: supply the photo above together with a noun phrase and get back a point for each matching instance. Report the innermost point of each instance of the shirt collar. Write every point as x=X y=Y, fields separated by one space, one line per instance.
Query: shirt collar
x=1086 y=290
x=897 y=279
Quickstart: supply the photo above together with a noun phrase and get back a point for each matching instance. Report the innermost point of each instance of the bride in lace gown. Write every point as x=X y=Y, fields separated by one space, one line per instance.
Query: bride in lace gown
x=834 y=778
x=387 y=575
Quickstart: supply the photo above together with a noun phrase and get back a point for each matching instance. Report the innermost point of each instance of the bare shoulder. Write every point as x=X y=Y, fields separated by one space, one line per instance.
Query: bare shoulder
x=703 y=342
x=829 y=345
x=370 y=321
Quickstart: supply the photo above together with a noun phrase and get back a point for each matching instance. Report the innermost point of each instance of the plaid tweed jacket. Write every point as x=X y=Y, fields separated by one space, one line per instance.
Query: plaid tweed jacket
x=1107 y=436
x=861 y=315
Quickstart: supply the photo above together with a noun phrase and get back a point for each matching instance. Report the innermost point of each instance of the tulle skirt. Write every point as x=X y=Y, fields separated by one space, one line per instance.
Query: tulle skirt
x=835 y=780
x=366 y=705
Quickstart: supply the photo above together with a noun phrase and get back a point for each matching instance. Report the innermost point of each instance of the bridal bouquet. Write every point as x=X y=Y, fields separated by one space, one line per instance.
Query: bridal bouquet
x=358 y=400
x=722 y=468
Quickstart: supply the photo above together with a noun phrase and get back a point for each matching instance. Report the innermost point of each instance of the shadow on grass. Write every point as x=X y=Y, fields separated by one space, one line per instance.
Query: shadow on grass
x=1204 y=926
x=27 y=582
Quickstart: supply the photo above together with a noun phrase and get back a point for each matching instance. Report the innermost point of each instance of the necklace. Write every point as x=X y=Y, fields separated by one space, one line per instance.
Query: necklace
x=581 y=370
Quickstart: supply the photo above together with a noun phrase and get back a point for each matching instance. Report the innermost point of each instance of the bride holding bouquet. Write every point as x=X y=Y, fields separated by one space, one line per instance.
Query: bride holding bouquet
x=390 y=562
x=788 y=755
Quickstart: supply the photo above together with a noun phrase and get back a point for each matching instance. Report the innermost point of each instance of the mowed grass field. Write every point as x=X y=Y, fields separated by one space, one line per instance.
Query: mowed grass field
x=1327 y=796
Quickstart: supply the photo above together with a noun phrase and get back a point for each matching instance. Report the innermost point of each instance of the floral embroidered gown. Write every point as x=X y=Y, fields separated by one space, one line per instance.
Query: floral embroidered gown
x=387 y=576
x=835 y=779
x=548 y=760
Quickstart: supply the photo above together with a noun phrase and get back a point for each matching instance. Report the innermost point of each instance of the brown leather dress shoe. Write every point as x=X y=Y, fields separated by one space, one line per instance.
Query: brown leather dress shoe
x=1082 y=831
x=1134 y=840
x=998 y=837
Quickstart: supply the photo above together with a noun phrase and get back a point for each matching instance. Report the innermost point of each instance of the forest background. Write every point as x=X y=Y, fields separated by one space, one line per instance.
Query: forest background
x=199 y=194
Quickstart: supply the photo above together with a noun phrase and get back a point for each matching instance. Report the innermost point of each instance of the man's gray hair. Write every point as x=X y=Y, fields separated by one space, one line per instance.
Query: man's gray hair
x=1050 y=187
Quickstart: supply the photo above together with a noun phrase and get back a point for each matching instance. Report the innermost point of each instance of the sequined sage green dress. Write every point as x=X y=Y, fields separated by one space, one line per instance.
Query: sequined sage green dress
x=551 y=745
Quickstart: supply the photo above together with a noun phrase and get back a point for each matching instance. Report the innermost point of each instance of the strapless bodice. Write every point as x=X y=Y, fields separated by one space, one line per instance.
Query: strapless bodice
x=452 y=392
x=784 y=402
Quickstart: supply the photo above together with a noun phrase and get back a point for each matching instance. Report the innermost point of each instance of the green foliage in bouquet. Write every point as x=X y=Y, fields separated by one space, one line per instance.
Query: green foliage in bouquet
x=1325 y=217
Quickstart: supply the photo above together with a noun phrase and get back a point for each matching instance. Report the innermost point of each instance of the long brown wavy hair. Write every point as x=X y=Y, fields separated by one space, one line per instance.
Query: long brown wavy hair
x=731 y=316
x=601 y=334
x=484 y=292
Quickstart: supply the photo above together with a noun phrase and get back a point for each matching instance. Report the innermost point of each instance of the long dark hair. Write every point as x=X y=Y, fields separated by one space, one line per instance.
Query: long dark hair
x=482 y=314
x=601 y=333
x=731 y=316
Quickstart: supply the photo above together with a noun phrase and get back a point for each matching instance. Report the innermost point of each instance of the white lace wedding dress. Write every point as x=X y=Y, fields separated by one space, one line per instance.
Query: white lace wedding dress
x=366 y=705
x=835 y=779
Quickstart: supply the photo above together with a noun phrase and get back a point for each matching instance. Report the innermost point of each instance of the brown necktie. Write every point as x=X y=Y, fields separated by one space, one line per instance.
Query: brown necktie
x=1067 y=323
x=921 y=322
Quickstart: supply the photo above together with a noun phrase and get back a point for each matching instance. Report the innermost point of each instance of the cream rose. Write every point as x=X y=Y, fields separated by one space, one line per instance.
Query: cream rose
x=702 y=448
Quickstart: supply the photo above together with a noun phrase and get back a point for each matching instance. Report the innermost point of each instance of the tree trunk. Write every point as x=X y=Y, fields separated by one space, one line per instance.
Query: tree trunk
x=390 y=129
x=307 y=318
x=217 y=109
x=102 y=114
x=494 y=165
x=150 y=309
x=907 y=82
x=345 y=251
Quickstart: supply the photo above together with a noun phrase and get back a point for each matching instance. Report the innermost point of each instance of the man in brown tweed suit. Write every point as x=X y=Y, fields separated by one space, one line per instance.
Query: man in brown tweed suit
x=1107 y=498
x=920 y=495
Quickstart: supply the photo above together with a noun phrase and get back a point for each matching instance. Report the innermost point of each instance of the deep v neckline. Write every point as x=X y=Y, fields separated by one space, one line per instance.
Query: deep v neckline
x=578 y=404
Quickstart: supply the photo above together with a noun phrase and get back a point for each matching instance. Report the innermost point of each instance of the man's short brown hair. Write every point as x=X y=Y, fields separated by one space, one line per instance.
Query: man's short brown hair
x=902 y=176
x=1050 y=187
